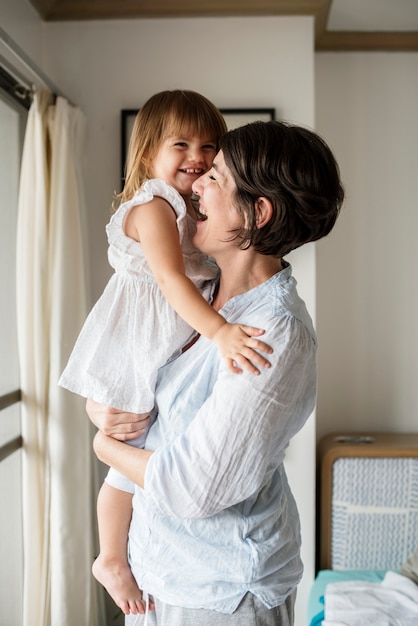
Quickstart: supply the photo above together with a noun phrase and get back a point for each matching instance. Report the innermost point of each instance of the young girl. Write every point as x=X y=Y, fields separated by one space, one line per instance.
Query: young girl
x=156 y=297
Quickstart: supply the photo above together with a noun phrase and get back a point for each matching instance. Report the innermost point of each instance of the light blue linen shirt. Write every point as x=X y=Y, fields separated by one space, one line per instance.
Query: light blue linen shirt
x=216 y=518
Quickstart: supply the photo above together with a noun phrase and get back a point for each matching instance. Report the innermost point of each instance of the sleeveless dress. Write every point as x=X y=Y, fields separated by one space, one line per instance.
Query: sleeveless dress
x=132 y=330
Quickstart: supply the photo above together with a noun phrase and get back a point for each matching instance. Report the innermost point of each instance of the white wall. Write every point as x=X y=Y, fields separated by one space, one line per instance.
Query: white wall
x=236 y=62
x=367 y=287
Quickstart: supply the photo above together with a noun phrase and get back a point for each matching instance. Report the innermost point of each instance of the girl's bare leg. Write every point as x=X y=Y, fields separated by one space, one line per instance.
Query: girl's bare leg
x=111 y=568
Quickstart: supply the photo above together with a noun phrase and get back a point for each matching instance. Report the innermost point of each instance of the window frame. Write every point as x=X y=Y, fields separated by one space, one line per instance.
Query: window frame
x=12 y=89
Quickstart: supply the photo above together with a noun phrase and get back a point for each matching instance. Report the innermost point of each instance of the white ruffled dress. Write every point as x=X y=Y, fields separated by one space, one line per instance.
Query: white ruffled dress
x=132 y=330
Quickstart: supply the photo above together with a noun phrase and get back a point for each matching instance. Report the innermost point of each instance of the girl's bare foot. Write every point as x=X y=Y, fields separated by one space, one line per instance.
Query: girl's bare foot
x=116 y=577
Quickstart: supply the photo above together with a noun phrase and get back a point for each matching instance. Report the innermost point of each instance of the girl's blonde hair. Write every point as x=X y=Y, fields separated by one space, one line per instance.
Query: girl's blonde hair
x=167 y=114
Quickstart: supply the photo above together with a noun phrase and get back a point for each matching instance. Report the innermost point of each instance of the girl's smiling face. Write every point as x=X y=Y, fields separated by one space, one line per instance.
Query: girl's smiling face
x=180 y=160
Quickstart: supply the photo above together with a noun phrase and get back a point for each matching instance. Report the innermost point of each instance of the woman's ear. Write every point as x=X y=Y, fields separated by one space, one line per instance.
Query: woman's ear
x=263 y=211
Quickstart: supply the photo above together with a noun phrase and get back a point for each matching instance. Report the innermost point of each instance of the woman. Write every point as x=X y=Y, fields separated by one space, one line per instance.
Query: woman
x=215 y=531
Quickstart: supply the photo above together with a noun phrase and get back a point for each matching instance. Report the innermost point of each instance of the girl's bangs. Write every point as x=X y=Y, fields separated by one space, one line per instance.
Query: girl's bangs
x=187 y=123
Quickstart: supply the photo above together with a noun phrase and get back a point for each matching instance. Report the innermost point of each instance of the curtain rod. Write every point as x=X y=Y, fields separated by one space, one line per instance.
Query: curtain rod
x=19 y=93
x=24 y=59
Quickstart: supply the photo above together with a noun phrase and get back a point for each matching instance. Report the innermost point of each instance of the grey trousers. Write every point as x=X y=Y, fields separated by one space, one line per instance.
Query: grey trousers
x=250 y=612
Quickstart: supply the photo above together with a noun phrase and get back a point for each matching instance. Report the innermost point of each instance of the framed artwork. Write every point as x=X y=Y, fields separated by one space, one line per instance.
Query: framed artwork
x=233 y=119
x=127 y=123
x=239 y=117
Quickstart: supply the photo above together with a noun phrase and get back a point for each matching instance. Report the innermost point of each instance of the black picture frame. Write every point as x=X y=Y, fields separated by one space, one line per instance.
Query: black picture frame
x=239 y=117
x=233 y=118
x=127 y=121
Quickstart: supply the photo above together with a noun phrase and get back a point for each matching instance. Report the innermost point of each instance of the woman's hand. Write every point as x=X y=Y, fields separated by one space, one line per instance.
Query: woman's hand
x=118 y=424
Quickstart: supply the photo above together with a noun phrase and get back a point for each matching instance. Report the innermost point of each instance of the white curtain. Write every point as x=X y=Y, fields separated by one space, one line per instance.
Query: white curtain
x=57 y=458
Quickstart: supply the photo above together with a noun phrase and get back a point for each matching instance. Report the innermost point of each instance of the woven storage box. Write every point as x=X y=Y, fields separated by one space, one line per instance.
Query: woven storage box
x=368 y=500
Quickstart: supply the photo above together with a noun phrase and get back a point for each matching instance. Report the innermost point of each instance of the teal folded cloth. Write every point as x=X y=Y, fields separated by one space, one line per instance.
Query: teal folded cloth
x=326 y=576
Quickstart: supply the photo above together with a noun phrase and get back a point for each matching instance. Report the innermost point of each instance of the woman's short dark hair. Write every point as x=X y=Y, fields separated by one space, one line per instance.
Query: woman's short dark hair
x=295 y=169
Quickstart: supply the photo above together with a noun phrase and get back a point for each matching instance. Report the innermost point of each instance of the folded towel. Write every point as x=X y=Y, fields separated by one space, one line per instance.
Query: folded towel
x=393 y=602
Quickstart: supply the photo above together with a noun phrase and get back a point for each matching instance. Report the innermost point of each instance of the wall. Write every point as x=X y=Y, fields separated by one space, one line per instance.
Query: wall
x=367 y=289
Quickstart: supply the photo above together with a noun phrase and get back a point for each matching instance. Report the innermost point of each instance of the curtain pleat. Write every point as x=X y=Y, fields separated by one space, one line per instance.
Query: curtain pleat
x=57 y=459
x=32 y=323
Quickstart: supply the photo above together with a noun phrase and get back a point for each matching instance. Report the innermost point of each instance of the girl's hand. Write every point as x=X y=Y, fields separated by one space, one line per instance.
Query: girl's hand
x=239 y=347
x=118 y=424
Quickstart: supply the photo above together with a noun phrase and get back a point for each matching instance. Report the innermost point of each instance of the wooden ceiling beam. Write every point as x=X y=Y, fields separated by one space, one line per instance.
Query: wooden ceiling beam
x=347 y=41
x=321 y=19
x=62 y=10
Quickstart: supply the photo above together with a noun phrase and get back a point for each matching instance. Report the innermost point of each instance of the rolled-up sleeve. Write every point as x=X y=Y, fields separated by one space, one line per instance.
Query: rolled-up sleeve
x=239 y=434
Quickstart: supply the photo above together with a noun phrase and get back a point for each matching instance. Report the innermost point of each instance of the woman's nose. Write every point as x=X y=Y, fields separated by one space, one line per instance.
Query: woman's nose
x=197 y=185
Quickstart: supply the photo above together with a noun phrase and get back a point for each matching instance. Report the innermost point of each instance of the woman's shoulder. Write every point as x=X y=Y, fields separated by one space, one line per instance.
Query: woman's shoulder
x=287 y=302
x=277 y=304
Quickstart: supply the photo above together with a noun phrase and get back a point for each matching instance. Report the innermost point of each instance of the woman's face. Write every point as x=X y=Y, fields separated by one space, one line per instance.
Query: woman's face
x=216 y=191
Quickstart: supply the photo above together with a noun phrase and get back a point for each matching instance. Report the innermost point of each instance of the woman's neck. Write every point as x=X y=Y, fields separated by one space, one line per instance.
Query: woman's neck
x=238 y=278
